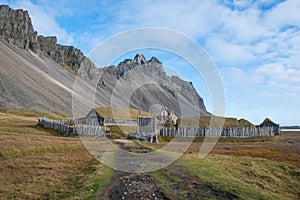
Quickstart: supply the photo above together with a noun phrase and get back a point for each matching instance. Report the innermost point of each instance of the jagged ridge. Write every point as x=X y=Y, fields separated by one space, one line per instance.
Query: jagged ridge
x=16 y=28
x=168 y=91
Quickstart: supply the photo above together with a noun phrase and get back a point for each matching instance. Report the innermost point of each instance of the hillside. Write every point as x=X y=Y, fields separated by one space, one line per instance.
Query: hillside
x=28 y=81
x=37 y=73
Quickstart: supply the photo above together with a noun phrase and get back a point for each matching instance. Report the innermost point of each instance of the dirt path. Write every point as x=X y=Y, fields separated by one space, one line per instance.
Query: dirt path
x=132 y=186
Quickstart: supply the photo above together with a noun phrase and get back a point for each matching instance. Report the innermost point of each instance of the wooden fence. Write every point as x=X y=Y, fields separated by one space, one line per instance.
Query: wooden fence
x=124 y=122
x=147 y=128
x=218 y=132
x=85 y=129
x=58 y=125
x=68 y=127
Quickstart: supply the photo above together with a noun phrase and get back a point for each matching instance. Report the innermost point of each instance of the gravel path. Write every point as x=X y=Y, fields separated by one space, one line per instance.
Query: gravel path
x=132 y=186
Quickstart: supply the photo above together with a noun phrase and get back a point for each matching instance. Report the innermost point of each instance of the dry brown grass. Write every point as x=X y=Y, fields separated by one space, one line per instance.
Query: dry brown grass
x=38 y=176
x=34 y=164
x=282 y=148
x=261 y=153
x=34 y=114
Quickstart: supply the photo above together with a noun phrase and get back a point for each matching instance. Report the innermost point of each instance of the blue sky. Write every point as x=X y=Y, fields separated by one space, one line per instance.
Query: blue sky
x=255 y=44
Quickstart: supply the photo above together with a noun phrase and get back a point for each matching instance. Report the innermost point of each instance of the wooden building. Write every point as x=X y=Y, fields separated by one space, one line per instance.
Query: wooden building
x=112 y=116
x=269 y=123
x=92 y=118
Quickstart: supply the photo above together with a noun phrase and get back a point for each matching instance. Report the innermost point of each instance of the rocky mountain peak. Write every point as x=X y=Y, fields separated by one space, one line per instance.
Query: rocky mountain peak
x=140 y=59
x=154 y=60
x=152 y=66
x=17 y=29
x=168 y=88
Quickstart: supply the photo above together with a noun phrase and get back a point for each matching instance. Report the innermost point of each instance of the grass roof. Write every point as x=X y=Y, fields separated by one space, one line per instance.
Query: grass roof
x=120 y=113
x=213 y=121
x=267 y=120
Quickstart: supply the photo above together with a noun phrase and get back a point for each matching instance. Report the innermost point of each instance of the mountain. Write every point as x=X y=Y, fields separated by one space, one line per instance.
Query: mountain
x=37 y=73
x=171 y=92
x=17 y=29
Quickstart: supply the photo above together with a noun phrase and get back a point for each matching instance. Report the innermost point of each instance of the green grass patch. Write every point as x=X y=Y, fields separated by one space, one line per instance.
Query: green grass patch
x=165 y=178
x=168 y=182
x=248 y=178
x=87 y=184
x=228 y=176
x=114 y=136
x=123 y=131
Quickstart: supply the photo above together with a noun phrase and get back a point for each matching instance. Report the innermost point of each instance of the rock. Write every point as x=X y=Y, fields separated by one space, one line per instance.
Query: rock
x=67 y=56
x=167 y=90
x=140 y=59
x=16 y=28
x=154 y=60
x=144 y=188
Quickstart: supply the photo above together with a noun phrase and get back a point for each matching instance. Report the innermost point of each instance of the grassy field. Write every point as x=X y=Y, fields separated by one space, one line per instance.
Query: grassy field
x=117 y=132
x=229 y=177
x=34 y=114
x=253 y=168
x=36 y=164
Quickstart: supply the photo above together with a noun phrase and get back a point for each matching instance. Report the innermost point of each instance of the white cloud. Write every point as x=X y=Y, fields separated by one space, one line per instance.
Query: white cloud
x=192 y=18
x=280 y=75
x=238 y=4
x=244 y=27
x=228 y=53
x=268 y=90
x=286 y=12
x=272 y=76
